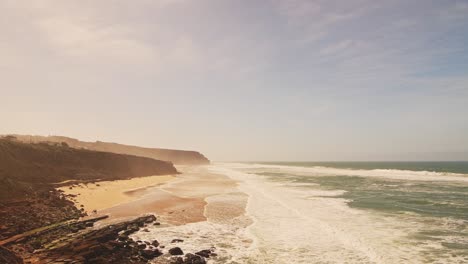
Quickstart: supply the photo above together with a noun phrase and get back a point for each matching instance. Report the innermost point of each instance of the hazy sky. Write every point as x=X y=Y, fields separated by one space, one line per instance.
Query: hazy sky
x=241 y=80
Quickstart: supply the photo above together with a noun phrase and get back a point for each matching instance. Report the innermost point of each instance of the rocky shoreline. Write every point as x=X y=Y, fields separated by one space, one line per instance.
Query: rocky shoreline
x=46 y=227
x=44 y=207
x=40 y=224
x=77 y=241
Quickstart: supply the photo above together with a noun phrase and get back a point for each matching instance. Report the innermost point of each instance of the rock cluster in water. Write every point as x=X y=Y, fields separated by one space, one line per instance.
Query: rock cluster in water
x=78 y=242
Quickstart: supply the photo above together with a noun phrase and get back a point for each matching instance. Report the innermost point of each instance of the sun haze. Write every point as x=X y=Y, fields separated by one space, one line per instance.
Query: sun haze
x=242 y=80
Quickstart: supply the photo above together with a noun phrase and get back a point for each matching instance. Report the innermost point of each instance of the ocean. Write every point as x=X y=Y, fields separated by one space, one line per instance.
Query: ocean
x=354 y=212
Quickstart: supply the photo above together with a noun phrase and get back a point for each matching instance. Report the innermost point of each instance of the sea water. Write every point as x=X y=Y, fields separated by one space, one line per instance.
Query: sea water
x=354 y=212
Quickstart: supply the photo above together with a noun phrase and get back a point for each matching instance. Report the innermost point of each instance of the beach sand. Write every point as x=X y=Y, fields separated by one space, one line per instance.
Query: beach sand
x=186 y=198
x=204 y=209
x=106 y=194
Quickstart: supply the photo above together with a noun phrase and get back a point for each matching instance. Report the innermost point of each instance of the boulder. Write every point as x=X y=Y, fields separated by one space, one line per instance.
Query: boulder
x=194 y=259
x=150 y=254
x=142 y=246
x=155 y=243
x=176 y=251
x=204 y=253
x=150 y=219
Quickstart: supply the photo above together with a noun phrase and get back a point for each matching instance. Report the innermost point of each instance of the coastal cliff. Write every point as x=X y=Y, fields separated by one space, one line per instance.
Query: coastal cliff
x=40 y=224
x=29 y=173
x=180 y=157
x=48 y=163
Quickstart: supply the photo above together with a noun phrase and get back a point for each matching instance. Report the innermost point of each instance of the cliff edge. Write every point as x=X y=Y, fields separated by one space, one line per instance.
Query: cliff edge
x=29 y=174
x=179 y=157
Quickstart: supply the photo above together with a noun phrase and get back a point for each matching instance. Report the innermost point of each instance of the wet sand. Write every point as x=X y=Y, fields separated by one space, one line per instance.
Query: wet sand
x=220 y=224
x=186 y=198
x=206 y=210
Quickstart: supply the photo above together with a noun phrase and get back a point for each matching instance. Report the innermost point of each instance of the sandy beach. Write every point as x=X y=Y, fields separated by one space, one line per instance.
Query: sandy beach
x=192 y=196
x=106 y=194
x=202 y=208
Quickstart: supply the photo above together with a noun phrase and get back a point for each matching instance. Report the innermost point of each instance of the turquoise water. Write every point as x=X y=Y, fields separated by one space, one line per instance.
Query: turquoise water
x=436 y=166
x=433 y=194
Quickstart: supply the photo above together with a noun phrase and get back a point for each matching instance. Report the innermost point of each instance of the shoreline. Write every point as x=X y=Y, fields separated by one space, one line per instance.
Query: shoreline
x=101 y=195
x=200 y=214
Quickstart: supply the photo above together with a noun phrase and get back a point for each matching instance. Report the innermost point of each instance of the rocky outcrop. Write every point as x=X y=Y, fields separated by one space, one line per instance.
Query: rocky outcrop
x=175 y=156
x=189 y=258
x=6 y=256
x=176 y=251
x=79 y=242
x=34 y=211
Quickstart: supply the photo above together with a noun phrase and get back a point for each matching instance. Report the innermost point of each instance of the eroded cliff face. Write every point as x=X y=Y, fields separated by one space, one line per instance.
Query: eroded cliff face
x=180 y=157
x=42 y=163
x=29 y=173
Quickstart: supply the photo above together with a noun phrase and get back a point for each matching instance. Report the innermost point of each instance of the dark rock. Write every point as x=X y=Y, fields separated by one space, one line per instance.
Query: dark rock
x=108 y=244
x=150 y=219
x=142 y=246
x=204 y=253
x=150 y=254
x=177 y=260
x=155 y=243
x=118 y=244
x=176 y=251
x=9 y=257
x=123 y=237
x=177 y=240
x=130 y=231
x=156 y=223
x=193 y=259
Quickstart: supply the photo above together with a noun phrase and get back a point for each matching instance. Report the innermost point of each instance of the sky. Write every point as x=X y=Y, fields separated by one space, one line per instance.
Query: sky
x=241 y=80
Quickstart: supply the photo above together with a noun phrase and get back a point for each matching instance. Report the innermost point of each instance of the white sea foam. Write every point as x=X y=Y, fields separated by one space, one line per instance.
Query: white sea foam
x=231 y=243
x=328 y=171
x=291 y=222
x=225 y=227
x=299 y=225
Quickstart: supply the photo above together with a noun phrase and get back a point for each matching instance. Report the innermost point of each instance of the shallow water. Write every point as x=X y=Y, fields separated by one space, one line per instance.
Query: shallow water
x=224 y=228
x=304 y=213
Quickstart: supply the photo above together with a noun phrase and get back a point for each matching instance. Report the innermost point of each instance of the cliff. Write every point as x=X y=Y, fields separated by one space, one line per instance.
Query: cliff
x=182 y=157
x=23 y=164
x=28 y=173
